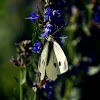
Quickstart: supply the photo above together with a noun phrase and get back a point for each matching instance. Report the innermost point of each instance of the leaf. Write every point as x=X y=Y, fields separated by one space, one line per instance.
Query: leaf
x=34 y=36
x=75 y=94
x=16 y=79
x=36 y=70
x=28 y=79
x=35 y=64
x=76 y=41
x=93 y=70
x=40 y=38
x=35 y=96
x=85 y=27
x=23 y=75
x=16 y=93
x=39 y=95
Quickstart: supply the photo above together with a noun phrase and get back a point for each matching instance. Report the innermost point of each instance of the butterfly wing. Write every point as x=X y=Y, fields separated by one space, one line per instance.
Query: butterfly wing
x=43 y=61
x=52 y=69
x=61 y=58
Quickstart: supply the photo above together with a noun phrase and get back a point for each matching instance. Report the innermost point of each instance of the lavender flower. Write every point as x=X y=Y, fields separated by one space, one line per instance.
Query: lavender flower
x=37 y=47
x=24 y=50
x=16 y=62
x=48 y=30
x=33 y=17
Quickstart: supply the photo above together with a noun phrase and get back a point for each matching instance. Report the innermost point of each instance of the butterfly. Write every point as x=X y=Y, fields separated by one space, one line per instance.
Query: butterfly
x=53 y=61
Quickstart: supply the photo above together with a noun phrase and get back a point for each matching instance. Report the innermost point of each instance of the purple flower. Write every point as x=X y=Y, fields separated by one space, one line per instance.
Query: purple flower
x=56 y=13
x=52 y=15
x=37 y=46
x=59 y=40
x=48 y=14
x=16 y=62
x=47 y=31
x=56 y=16
x=54 y=19
x=97 y=16
x=49 y=26
x=33 y=17
x=35 y=84
x=49 y=89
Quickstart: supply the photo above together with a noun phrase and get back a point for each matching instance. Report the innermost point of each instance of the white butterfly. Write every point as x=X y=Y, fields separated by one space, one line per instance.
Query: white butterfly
x=52 y=61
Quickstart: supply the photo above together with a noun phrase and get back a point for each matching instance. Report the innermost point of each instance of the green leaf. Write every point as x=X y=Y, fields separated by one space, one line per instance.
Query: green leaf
x=85 y=27
x=28 y=79
x=16 y=79
x=35 y=96
x=93 y=70
x=36 y=70
x=75 y=94
x=23 y=75
x=39 y=95
x=34 y=37
x=35 y=64
x=16 y=93
x=41 y=38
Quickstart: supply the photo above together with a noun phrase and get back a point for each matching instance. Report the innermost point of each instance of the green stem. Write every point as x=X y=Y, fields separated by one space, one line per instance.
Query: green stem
x=69 y=85
x=21 y=85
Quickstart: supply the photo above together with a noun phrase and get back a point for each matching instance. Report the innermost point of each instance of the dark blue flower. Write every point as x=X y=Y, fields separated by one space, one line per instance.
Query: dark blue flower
x=35 y=84
x=52 y=15
x=48 y=14
x=56 y=13
x=49 y=89
x=37 y=46
x=56 y=16
x=97 y=16
x=33 y=17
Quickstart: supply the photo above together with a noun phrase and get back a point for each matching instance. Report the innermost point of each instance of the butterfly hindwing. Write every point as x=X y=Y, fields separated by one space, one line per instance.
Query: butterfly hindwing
x=52 y=69
x=61 y=58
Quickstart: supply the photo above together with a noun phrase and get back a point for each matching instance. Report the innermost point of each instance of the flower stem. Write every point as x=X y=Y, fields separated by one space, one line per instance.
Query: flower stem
x=21 y=85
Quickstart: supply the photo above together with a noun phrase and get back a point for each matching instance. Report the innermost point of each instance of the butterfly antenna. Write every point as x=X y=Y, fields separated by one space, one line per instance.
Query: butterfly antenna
x=59 y=29
x=46 y=37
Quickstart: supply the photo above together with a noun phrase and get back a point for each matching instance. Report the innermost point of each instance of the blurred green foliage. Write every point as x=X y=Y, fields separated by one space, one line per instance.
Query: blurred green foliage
x=13 y=28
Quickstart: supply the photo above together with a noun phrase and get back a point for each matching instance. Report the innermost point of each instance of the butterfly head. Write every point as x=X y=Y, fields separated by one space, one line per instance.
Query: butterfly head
x=50 y=38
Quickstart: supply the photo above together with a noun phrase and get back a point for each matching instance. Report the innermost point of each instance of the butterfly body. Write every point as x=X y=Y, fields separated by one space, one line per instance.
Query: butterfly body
x=53 y=61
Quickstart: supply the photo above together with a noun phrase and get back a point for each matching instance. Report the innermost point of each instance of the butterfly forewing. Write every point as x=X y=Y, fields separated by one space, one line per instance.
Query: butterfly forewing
x=61 y=58
x=43 y=61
